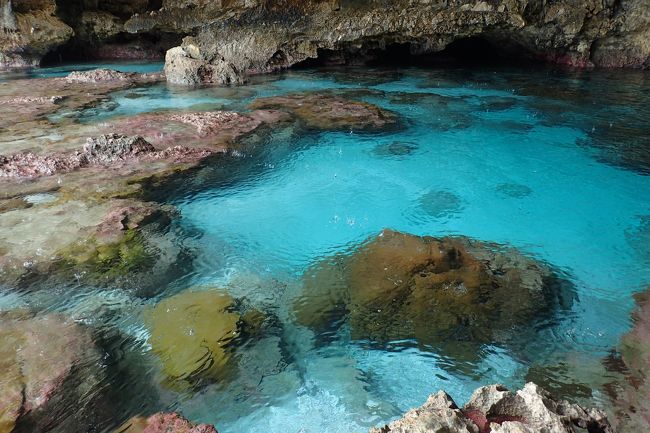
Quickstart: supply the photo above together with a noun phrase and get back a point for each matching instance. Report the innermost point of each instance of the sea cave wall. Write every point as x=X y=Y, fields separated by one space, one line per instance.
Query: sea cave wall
x=224 y=41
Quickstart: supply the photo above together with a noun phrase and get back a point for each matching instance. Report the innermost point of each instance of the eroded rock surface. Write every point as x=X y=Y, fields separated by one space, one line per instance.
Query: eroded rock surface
x=495 y=409
x=226 y=41
x=325 y=112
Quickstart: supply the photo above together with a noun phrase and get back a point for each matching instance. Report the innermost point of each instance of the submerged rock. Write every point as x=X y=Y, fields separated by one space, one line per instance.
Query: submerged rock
x=329 y=112
x=45 y=361
x=191 y=332
x=395 y=149
x=495 y=409
x=163 y=423
x=632 y=395
x=399 y=286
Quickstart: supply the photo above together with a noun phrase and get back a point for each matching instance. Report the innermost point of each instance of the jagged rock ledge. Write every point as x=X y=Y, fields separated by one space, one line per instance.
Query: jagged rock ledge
x=496 y=409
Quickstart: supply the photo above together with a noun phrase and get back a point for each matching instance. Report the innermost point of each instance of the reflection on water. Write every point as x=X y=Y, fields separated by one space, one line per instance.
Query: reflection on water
x=267 y=309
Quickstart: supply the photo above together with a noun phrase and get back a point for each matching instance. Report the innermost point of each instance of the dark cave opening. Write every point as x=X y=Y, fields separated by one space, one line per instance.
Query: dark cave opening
x=471 y=51
x=125 y=46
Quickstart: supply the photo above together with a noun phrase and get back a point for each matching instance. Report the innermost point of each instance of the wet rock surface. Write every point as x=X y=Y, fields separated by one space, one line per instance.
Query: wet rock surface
x=435 y=290
x=164 y=423
x=329 y=112
x=496 y=409
x=46 y=360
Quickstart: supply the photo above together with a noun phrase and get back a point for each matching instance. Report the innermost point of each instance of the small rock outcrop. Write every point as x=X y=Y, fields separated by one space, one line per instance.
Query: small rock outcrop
x=164 y=423
x=100 y=75
x=318 y=111
x=495 y=409
x=107 y=149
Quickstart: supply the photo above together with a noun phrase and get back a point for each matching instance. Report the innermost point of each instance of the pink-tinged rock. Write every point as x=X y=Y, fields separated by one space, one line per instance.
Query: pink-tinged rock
x=40 y=354
x=30 y=165
x=215 y=130
x=109 y=75
x=126 y=215
x=110 y=148
x=164 y=423
x=632 y=401
x=495 y=409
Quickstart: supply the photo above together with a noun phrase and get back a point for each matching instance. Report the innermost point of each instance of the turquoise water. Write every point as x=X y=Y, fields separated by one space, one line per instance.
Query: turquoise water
x=65 y=69
x=459 y=167
x=553 y=163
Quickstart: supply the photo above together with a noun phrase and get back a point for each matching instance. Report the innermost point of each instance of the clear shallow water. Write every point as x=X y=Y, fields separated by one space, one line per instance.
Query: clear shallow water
x=459 y=168
x=550 y=163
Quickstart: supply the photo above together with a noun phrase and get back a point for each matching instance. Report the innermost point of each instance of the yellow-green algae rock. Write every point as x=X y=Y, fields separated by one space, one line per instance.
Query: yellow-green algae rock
x=190 y=333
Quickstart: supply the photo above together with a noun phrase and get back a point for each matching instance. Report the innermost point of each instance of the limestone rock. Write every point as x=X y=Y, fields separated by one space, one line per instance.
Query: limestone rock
x=247 y=38
x=438 y=415
x=180 y=68
x=325 y=112
x=495 y=409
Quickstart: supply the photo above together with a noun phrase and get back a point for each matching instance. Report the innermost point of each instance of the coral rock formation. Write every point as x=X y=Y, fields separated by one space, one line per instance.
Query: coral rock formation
x=495 y=409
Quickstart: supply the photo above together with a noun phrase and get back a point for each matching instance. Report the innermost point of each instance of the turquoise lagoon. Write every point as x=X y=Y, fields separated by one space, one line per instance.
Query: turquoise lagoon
x=554 y=163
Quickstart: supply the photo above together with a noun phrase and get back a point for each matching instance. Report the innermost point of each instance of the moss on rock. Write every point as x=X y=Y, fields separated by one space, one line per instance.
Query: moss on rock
x=191 y=333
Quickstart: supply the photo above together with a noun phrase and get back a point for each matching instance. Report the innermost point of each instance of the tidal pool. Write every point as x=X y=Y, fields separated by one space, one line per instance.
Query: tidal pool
x=552 y=163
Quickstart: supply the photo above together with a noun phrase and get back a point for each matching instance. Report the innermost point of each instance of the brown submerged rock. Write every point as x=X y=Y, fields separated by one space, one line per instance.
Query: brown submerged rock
x=400 y=286
x=329 y=112
x=164 y=423
x=44 y=360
